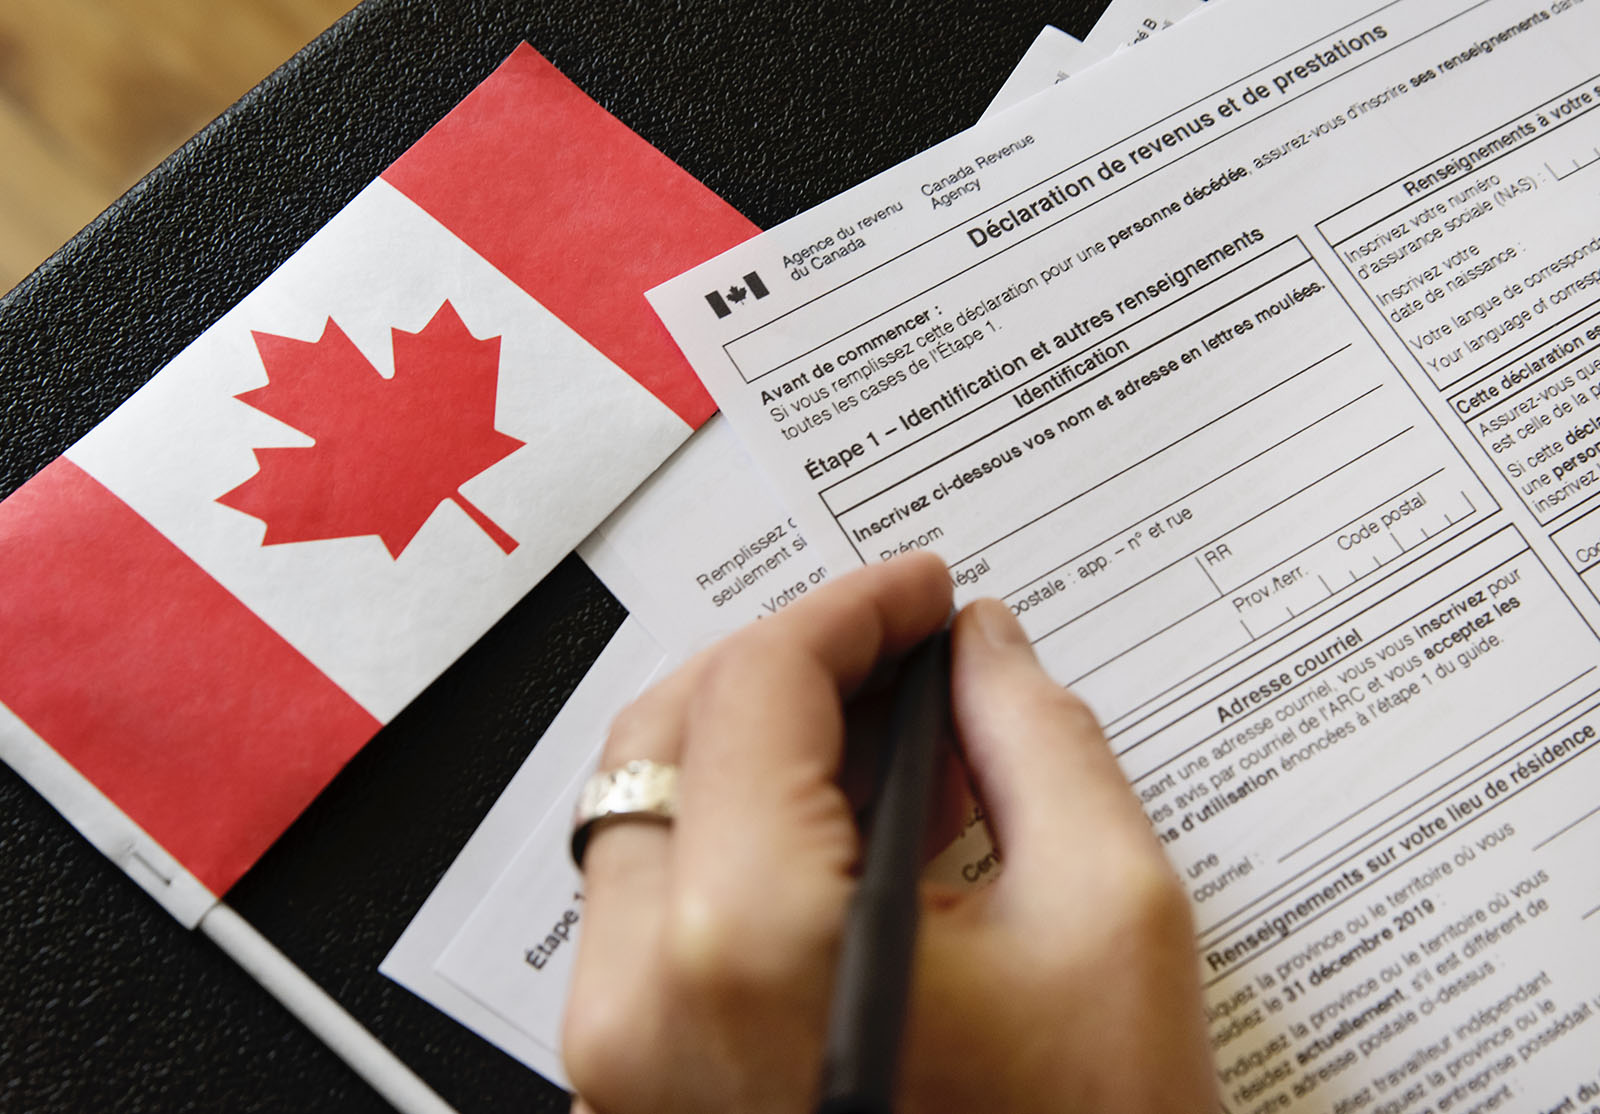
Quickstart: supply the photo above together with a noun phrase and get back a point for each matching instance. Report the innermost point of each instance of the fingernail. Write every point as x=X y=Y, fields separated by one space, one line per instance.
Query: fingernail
x=997 y=625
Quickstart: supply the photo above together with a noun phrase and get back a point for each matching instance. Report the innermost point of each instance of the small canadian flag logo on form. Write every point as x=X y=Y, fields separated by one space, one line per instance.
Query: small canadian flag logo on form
x=737 y=294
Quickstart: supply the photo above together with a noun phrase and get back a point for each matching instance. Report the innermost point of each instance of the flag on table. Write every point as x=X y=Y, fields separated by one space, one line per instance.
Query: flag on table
x=212 y=600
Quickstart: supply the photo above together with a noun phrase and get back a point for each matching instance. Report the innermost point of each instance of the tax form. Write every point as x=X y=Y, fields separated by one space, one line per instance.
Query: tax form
x=1258 y=374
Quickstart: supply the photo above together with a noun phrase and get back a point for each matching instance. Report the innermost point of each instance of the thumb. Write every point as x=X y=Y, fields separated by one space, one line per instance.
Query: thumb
x=1048 y=780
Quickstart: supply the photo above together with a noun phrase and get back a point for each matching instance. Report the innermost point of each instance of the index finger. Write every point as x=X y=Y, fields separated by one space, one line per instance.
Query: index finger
x=872 y=614
x=762 y=822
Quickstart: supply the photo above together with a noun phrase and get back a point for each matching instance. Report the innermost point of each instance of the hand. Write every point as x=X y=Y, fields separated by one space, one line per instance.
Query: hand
x=706 y=962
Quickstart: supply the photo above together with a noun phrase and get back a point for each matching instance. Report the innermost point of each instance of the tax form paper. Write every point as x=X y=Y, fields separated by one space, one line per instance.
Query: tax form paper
x=1260 y=374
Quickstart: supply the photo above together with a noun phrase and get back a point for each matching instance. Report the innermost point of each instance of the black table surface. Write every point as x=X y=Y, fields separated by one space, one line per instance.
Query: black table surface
x=106 y=1003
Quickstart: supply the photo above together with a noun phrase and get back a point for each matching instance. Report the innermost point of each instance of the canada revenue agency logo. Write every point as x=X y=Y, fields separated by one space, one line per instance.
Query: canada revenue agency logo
x=736 y=294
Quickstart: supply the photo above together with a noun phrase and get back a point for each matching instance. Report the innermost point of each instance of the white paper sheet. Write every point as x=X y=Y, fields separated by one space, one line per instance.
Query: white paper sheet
x=1050 y=59
x=1127 y=23
x=703 y=546
x=1254 y=373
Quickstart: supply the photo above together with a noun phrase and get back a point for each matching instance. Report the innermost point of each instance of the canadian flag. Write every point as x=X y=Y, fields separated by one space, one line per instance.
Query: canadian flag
x=212 y=600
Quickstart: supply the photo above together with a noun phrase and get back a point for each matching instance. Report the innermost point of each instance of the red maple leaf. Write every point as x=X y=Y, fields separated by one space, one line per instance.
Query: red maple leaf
x=387 y=451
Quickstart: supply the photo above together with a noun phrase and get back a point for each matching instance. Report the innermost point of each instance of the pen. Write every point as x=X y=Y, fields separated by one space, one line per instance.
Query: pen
x=862 y=1047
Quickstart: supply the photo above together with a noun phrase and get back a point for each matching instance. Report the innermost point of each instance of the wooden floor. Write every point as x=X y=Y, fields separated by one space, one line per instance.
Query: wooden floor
x=93 y=93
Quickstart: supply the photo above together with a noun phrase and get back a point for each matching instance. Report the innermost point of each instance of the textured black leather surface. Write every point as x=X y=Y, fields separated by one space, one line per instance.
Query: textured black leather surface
x=105 y=1003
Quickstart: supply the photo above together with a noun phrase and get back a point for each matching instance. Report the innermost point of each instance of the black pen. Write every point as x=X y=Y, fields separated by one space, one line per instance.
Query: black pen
x=862 y=1049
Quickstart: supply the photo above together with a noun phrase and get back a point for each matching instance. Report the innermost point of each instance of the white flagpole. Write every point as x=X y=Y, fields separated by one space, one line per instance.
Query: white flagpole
x=330 y=1021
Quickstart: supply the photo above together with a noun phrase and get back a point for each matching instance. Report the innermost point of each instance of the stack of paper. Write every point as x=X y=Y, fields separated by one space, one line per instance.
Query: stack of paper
x=1257 y=369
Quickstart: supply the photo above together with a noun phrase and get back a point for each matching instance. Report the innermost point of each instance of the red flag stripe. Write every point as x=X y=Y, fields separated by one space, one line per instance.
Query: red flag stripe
x=578 y=211
x=196 y=718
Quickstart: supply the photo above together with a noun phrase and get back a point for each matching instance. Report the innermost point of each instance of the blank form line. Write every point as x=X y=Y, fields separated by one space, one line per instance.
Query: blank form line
x=991 y=543
x=1565 y=830
x=1269 y=896
x=1433 y=766
x=1378 y=637
x=1293 y=495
